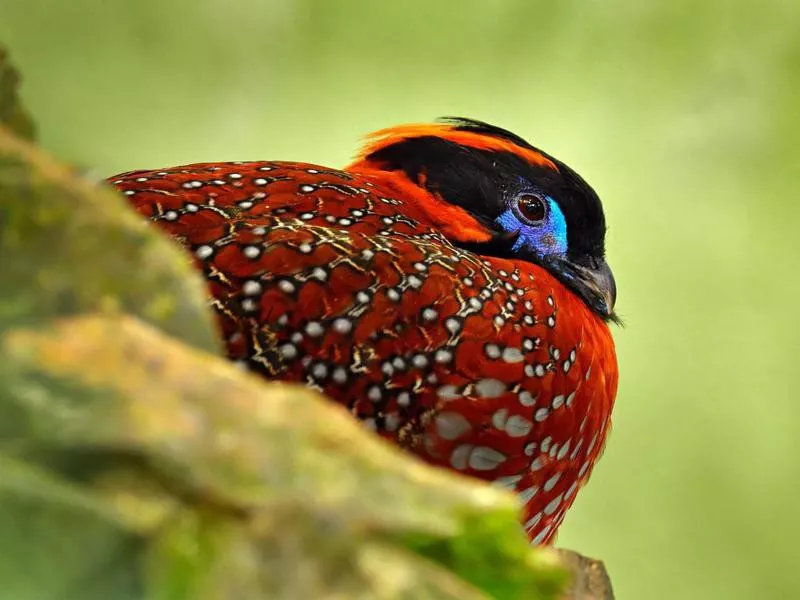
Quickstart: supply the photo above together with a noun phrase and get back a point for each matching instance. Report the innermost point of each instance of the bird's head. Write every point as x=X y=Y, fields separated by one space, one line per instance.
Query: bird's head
x=503 y=197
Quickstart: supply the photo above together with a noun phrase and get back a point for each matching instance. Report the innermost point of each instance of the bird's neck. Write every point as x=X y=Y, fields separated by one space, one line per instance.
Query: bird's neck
x=453 y=221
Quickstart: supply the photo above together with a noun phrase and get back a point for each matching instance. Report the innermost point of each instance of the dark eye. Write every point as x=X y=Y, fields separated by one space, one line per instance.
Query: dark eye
x=531 y=208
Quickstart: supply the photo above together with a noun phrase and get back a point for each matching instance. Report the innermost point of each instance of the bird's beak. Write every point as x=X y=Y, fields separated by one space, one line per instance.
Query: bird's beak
x=599 y=281
x=593 y=282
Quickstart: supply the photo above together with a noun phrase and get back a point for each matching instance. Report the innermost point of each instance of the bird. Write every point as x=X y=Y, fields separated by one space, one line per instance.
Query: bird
x=449 y=287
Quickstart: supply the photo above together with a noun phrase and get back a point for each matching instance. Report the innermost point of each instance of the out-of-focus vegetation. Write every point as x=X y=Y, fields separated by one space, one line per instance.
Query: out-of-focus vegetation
x=137 y=466
x=682 y=114
x=12 y=113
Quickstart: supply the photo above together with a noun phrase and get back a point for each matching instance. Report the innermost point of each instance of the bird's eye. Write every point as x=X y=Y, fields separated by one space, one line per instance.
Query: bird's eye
x=531 y=208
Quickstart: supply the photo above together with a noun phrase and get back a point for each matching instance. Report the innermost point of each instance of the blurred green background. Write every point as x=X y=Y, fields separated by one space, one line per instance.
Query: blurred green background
x=685 y=116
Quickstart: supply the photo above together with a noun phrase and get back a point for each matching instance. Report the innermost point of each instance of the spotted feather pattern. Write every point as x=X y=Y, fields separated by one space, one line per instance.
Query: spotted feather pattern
x=487 y=366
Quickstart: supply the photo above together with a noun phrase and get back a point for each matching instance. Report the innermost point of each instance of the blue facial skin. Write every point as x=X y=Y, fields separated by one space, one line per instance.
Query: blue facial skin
x=546 y=238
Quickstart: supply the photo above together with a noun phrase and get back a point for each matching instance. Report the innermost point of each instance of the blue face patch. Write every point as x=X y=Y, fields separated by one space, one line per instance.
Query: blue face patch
x=545 y=238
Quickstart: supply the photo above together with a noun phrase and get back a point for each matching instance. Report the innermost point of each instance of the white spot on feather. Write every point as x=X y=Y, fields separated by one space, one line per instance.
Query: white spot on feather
x=551 y=483
x=553 y=505
x=527 y=494
x=518 y=426
x=451 y=425
x=490 y=388
x=508 y=482
x=484 y=458
x=460 y=456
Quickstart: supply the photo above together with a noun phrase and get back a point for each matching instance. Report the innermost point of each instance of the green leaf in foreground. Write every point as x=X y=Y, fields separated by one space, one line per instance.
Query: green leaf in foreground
x=59 y=542
x=12 y=114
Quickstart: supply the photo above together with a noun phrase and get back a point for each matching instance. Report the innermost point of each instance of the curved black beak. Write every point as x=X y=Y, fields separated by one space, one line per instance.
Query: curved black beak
x=600 y=282
x=592 y=280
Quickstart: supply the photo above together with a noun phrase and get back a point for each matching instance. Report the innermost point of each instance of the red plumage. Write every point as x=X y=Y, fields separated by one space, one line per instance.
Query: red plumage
x=348 y=281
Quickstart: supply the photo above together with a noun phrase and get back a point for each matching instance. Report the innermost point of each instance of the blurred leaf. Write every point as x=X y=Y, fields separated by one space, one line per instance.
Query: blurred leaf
x=487 y=553
x=59 y=542
x=12 y=114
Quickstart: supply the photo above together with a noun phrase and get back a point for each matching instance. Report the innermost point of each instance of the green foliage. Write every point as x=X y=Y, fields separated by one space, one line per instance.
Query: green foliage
x=488 y=554
x=12 y=114
x=135 y=464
